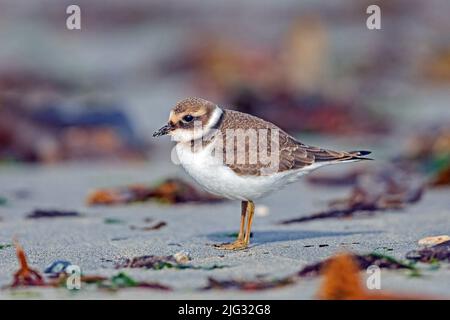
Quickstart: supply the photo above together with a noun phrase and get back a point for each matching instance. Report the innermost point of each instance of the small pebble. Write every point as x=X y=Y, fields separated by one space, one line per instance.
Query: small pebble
x=262 y=211
x=181 y=257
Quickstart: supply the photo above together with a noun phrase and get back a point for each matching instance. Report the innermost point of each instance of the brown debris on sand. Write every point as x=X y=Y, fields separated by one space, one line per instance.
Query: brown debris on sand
x=178 y=261
x=148 y=262
x=122 y=280
x=379 y=190
x=442 y=178
x=156 y=226
x=25 y=276
x=38 y=213
x=170 y=191
x=254 y=285
x=363 y=262
x=343 y=282
x=438 y=252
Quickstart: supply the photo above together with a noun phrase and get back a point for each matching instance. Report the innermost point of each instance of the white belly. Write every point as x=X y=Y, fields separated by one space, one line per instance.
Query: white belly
x=219 y=179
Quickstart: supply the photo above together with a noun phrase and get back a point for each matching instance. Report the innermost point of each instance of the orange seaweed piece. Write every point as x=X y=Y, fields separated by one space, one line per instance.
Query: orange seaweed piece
x=442 y=178
x=342 y=282
x=170 y=191
x=103 y=196
x=25 y=276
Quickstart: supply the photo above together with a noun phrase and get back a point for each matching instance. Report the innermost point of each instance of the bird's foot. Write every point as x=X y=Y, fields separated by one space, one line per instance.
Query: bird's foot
x=236 y=245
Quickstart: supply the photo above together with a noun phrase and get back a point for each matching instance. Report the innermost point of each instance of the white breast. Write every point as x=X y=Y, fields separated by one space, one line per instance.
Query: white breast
x=219 y=179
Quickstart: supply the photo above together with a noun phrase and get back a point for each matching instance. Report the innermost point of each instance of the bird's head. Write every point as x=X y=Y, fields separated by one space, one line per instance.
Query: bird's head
x=191 y=119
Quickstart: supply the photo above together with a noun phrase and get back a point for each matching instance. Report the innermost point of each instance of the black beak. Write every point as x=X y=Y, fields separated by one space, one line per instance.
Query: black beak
x=163 y=131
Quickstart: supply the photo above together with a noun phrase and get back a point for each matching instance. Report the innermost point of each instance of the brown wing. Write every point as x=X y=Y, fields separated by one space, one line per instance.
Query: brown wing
x=292 y=153
x=296 y=155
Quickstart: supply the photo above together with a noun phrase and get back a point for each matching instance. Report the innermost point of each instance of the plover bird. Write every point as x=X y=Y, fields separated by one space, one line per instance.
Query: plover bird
x=241 y=157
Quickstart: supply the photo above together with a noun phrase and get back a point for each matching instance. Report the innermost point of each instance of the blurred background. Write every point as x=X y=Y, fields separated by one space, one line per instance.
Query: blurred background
x=312 y=67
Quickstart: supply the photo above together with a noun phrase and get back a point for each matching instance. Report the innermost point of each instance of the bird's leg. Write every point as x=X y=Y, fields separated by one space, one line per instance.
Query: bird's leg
x=244 y=206
x=250 y=212
x=240 y=241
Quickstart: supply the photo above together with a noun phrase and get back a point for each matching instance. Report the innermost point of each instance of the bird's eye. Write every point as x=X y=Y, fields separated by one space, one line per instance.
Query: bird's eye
x=188 y=118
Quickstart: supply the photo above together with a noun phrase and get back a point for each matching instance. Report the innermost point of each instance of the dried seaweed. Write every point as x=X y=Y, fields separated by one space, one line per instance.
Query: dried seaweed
x=439 y=252
x=119 y=238
x=341 y=279
x=385 y=189
x=442 y=178
x=122 y=280
x=176 y=261
x=148 y=262
x=113 y=221
x=363 y=261
x=332 y=213
x=256 y=285
x=116 y=282
x=342 y=282
x=171 y=191
x=38 y=213
x=25 y=276
x=90 y=279
x=156 y=226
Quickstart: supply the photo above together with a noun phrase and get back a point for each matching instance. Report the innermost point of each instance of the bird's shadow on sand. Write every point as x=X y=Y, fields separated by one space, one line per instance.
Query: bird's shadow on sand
x=268 y=236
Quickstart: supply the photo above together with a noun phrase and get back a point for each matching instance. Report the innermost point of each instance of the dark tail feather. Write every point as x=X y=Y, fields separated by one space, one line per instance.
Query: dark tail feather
x=360 y=155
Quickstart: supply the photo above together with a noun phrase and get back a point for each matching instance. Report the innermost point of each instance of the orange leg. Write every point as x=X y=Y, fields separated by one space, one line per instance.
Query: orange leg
x=244 y=205
x=250 y=212
x=243 y=238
